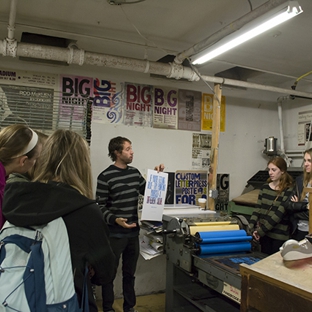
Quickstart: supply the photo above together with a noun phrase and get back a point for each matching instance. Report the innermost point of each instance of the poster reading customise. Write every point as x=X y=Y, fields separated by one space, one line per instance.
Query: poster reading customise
x=107 y=104
x=165 y=108
x=190 y=185
x=75 y=93
x=138 y=105
x=207 y=112
x=189 y=110
x=154 y=195
x=304 y=127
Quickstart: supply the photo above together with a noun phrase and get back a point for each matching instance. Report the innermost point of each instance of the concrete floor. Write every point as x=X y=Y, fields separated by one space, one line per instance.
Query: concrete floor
x=148 y=303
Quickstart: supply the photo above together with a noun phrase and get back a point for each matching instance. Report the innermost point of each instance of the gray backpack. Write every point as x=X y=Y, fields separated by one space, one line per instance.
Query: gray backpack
x=35 y=269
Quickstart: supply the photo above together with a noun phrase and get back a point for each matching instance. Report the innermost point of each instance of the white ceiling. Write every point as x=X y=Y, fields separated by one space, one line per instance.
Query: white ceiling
x=153 y=29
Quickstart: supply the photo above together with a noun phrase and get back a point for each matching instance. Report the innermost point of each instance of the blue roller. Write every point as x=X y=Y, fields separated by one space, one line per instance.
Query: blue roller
x=224 y=248
x=225 y=239
x=229 y=233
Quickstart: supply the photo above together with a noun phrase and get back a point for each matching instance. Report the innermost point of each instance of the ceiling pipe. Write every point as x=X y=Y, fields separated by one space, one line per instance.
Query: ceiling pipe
x=74 y=55
x=239 y=23
x=80 y=57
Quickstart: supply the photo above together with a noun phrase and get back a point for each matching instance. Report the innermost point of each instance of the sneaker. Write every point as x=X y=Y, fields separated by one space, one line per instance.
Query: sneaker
x=294 y=250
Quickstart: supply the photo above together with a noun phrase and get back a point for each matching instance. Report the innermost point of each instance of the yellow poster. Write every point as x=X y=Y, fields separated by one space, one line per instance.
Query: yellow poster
x=207 y=112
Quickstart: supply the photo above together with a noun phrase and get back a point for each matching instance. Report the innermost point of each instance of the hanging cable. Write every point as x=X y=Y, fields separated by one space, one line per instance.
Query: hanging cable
x=294 y=86
x=202 y=79
x=140 y=34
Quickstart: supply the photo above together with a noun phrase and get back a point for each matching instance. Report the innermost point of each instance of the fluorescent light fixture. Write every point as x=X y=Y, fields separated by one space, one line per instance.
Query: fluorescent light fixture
x=249 y=31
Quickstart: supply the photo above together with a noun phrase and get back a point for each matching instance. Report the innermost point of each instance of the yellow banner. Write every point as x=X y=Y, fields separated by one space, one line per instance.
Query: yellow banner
x=207 y=112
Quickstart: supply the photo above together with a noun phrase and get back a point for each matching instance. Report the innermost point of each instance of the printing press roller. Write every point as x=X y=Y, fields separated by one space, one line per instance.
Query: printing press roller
x=208 y=249
x=184 y=237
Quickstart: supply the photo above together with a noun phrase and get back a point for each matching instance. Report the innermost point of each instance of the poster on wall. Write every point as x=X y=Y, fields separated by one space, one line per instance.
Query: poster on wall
x=201 y=150
x=189 y=110
x=223 y=188
x=165 y=108
x=26 y=105
x=138 y=105
x=190 y=185
x=154 y=195
x=304 y=127
x=107 y=103
x=75 y=93
x=207 y=112
x=169 y=200
x=26 y=78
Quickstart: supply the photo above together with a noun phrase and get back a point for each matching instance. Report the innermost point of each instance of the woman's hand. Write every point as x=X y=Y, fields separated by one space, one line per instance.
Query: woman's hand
x=256 y=236
x=294 y=198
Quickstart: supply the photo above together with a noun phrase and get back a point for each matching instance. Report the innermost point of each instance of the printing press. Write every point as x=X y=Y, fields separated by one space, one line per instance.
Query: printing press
x=204 y=251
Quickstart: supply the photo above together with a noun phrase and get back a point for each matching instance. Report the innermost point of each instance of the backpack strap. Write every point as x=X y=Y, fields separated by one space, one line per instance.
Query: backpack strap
x=35 y=299
x=55 y=247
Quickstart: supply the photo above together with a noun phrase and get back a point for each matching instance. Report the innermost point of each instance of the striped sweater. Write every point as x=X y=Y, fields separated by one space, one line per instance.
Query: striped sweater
x=118 y=192
x=271 y=214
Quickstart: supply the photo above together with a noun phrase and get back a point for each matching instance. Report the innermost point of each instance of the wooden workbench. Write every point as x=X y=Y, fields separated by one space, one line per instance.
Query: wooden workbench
x=272 y=285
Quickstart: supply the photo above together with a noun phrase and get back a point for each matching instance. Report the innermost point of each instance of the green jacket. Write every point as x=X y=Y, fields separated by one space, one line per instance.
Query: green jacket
x=270 y=214
x=17 y=177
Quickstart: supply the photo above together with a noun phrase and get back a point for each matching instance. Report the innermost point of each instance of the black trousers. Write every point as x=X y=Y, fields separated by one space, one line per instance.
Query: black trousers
x=269 y=245
x=129 y=249
x=299 y=235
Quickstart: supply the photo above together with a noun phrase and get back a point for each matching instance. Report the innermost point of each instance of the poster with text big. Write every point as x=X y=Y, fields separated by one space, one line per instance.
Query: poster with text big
x=165 y=108
x=189 y=110
x=107 y=103
x=138 y=105
x=75 y=93
x=207 y=112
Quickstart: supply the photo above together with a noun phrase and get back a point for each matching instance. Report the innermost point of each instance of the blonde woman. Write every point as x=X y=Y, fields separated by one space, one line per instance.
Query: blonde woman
x=63 y=188
x=297 y=206
x=18 y=153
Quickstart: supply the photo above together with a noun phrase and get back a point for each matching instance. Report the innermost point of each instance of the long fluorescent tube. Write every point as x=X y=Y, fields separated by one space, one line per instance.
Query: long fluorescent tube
x=233 y=40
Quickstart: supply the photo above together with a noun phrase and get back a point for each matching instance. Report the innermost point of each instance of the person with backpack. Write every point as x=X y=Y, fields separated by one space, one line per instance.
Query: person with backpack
x=31 y=173
x=19 y=150
x=63 y=190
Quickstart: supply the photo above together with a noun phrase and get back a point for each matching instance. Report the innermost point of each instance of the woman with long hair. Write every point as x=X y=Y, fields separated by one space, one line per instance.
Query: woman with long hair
x=63 y=188
x=298 y=204
x=31 y=173
x=269 y=222
x=19 y=150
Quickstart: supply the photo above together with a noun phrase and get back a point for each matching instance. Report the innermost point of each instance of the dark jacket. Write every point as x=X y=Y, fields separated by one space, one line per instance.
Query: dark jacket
x=297 y=210
x=34 y=203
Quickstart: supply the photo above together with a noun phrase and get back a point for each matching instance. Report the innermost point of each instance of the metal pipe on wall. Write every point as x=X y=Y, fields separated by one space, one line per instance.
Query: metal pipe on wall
x=280 y=119
x=170 y=70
